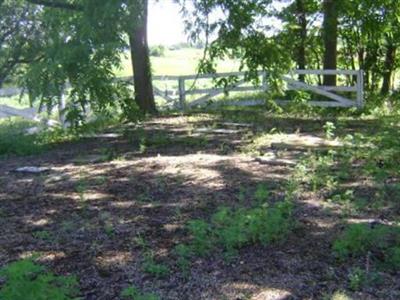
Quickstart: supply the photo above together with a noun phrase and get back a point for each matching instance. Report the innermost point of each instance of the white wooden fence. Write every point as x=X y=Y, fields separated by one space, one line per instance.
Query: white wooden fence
x=183 y=92
x=186 y=89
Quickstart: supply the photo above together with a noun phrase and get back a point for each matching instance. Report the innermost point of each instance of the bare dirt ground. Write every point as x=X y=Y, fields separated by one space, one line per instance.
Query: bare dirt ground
x=85 y=215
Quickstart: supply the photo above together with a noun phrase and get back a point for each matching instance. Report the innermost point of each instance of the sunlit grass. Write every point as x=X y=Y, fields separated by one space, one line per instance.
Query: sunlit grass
x=177 y=62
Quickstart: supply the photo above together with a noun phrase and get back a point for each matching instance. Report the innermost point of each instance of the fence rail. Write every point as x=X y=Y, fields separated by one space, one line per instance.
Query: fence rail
x=178 y=96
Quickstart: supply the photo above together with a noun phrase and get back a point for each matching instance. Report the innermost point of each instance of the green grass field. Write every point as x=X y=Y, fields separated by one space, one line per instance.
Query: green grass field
x=177 y=62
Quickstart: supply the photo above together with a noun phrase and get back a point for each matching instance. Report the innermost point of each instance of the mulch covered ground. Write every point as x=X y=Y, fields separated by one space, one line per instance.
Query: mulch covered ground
x=86 y=214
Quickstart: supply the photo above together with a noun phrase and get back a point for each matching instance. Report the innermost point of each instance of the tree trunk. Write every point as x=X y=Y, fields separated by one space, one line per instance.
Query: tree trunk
x=388 y=68
x=330 y=37
x=301 y=48
x=144 y=95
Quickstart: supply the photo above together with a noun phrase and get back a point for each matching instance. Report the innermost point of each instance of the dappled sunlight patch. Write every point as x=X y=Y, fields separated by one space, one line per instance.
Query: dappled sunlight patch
x=172 y=227
x=122 y=204
x=340 y=296
x=114 y=258
x=245 y=290
x=24 y=180
x=37 y=222
x=62 y=196
x=372 y=221
x=89 y=195
x=292 y=141
x=272 y=294
x=43 y=256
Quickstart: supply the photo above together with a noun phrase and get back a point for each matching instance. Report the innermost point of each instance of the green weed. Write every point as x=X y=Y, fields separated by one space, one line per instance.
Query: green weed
x=42 y=235
x=200 y=231
x=262 y=194
x=329 y=128
x=26 y=280
x=133 y=293
x=153 y=268
x=232 y=229
x=379 y=241
x=359 y=278
x=183 y=254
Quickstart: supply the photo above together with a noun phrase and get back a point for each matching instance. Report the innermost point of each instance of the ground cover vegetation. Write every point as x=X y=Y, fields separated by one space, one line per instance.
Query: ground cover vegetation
x=215 y=203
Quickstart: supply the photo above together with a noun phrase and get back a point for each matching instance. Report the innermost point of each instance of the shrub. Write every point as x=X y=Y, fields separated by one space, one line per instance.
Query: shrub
x=13 y=139
x=157 y=51
x=262 y=194
x=26 y=280
x=359 y=278
x=132 y=293
x=329 y=128
x=153 y=268
x=200 y=231
x=183 y=254
x=232 y=229
x=381 y=241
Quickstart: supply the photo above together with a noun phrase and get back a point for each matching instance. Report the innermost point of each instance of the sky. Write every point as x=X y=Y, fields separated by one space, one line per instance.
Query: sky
x=165 y=25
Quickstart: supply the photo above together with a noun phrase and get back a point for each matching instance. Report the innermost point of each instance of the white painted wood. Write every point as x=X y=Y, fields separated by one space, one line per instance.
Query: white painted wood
x=327 y=91
x=182 y=94
x=162 y=94
x=304 y=86
x=8 y=111
x=334 y=88
x=322 y=103
x=360 y=89
x=61 y=110
x=9 y=92
x=222 y=90
x=325 y=72
x=265 y=84
x=213 y=93
x=250 y=102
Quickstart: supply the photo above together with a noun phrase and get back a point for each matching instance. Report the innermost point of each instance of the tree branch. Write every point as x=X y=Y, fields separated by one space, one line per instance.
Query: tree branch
x=57 y=4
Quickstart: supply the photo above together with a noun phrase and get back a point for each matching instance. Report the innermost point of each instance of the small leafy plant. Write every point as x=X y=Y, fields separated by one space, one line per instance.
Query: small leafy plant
x=200 y=231
x=380 y=241
x=42 y=235
x=25 y=279
x=183 y=254
x=329 y=128
x=232 y=229
x=133 y=293
x=359 y=278
x=262 y=194
x=153 y=268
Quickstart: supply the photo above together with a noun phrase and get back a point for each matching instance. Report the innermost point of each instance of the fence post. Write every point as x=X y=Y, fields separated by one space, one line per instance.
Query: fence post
x=182 y=93
x=265 y=81
x=360 y=88
x=61 y=108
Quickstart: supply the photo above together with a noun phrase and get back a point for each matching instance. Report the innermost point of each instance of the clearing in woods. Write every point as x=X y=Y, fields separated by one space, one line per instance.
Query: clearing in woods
x=114 y=206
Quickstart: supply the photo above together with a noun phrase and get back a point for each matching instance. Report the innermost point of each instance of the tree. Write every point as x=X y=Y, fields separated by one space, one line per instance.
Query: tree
x=239 y=34
x=144 y=96
x=370 y=32
x=330 y=37
x=101 y=28
x=302 y=28
x=20 y=37
x=298 y=20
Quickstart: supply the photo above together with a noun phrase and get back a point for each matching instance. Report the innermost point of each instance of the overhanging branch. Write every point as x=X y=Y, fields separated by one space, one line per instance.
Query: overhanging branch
x=57 y=4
